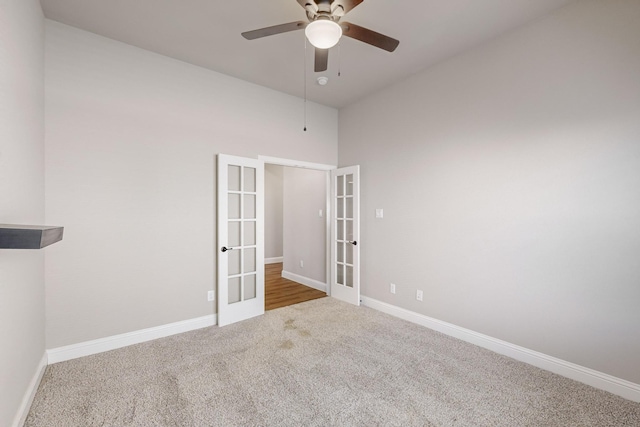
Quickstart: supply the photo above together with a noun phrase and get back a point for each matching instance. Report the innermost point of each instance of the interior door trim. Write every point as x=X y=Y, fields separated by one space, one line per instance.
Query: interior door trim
x=296 y=163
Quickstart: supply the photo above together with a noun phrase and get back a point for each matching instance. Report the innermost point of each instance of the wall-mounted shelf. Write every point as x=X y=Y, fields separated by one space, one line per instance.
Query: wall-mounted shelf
x=28 y=236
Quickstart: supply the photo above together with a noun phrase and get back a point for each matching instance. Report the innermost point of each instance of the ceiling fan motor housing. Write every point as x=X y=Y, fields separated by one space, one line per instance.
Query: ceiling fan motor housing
x=324 y=9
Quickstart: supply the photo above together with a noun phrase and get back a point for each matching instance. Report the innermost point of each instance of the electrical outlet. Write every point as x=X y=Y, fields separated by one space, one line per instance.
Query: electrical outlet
x=301 y=264
x=392 y=288
x=210 y=296
x=419 y=295
x=320 y=213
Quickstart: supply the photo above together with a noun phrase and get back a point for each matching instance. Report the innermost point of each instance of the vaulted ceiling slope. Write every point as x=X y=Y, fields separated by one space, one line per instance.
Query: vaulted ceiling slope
x=207 y=33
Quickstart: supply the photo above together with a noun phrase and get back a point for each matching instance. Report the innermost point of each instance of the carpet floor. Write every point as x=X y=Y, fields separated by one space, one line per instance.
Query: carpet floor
x=319 y=363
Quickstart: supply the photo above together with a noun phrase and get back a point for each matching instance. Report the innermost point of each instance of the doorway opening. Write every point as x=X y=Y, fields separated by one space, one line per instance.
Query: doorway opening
x=296 y=232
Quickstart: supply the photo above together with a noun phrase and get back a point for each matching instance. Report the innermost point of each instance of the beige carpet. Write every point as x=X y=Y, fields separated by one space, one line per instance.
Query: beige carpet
x=319 y=363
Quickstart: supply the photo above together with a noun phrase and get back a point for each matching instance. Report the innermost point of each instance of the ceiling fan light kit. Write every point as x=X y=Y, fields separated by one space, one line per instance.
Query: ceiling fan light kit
x=323 y=33
x=325 y=29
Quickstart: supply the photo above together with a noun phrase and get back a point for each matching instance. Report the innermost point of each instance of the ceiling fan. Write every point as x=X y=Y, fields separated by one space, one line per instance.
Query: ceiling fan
x=324 y=29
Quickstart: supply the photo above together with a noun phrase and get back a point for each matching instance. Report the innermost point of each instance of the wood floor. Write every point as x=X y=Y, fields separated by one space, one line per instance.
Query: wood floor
x=281 y=292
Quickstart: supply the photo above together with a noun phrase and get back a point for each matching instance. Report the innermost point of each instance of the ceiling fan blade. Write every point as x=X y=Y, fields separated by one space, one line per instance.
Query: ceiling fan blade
x=276 y=29
x=321 y=60
x=369 y=36
x=345 y=5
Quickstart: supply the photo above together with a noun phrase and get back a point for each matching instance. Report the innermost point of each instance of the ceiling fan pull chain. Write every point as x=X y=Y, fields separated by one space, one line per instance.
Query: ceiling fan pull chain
x=304 y=70
x=339 y=57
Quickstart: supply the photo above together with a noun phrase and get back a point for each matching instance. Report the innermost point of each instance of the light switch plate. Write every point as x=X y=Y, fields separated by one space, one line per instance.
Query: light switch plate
x=379 y=213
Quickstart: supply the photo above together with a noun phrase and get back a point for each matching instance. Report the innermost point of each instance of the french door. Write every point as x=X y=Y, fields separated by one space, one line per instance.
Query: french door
x=345 y=234
x=240 y=245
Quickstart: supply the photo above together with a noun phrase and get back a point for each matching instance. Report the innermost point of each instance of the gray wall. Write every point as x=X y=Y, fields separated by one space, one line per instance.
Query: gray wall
x=22 y=312
x=304 y=229
x=131 y=141
x=273 y=188
x=510 y=180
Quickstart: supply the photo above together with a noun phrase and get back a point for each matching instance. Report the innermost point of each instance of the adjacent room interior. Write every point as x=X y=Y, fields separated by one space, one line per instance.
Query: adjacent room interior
x=295 y=235
x=499 y=155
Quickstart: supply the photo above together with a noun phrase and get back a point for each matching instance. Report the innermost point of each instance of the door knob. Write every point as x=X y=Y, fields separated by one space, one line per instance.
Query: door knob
x=354 y=243
x=225 y=249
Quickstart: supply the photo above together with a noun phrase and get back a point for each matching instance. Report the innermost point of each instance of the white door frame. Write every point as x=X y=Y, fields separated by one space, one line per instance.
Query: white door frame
x=321 y=167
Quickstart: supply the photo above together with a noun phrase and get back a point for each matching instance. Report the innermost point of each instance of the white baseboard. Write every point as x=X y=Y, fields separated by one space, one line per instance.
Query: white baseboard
x=588 y=376
x=312 y=283
x=87 y=348
x=273 y=260
x=27 y=400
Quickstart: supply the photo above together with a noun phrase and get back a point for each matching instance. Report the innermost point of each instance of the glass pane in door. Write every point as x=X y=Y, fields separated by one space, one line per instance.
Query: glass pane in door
x=249 y=233
x=349 y=252
x=234 y=206
x=339 y=251
x=349 y=185
x=249 y=180
x=234 y=233
x=249 y=206
x=340 y=274
x=242 y=233
x=349 y=207
x=340 y=230
x=249 y=286
x=234 y=178
x=349 y=277
x=249 y=260
x=234 y=290
x=234 y=262
x=348 y=234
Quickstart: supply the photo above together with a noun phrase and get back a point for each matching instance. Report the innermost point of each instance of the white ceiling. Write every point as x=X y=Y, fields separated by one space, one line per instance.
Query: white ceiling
x=207 y=33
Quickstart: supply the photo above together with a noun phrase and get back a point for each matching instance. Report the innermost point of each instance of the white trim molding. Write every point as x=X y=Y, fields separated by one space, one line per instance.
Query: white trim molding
x=30 y=393
x=273 y=260
x=588 y=376
x=312 y=283
x=295 y=163
x=100 y=345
